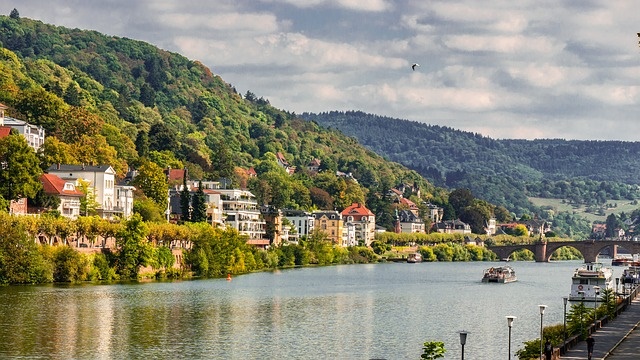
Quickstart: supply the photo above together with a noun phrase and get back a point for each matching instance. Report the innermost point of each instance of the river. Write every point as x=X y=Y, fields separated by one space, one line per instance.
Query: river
x=378 y=311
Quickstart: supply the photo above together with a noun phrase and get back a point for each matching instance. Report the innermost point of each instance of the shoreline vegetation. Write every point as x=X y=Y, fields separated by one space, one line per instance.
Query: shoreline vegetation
x=49 y=249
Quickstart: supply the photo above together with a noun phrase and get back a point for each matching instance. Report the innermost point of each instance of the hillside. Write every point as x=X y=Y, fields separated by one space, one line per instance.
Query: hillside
x=104 y=99
x=504 y=172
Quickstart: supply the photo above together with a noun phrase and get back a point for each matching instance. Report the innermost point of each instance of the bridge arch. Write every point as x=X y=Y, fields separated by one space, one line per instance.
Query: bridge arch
x=589 y=249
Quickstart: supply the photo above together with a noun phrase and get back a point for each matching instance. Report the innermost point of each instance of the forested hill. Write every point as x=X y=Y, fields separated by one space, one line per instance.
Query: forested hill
x=110 y=100
x=500 y=171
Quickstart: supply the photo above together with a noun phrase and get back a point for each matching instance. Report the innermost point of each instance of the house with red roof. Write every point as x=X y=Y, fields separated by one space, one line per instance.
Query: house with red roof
x=363 y=222
x=66 y=191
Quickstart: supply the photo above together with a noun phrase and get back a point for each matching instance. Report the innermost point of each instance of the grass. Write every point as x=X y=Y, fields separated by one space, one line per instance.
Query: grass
x=558 y=205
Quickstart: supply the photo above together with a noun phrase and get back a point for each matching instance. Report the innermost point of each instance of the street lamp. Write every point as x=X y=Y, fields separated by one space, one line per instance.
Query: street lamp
x=617 y=282
x=509 y=323
x=463 y=340
x=596 y=290
x=542 y=307
x=564 y=322
x=581 y=293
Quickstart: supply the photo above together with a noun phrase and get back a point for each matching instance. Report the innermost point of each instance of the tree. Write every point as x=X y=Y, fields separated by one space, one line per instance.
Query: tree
x=153 y=183
x=199 y=205
x=162 y=138
x=134 y=249
x=613 y=224
x=19 y=168
x=14 y=14
x=460 y=199
x=433 y=350
x=185 y=200
x=88 y=203
x=142 y=144
x=72 y=95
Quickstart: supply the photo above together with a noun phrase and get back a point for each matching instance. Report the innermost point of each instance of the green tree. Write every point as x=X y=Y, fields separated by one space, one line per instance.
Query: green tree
x=199 y=205
x=185 y=201
x=14 y=14
x=142 y=144
x=613 y=224
x=134 y=249
x=153 y=183
x=88 y=203
x=149 y=210
x=433 y=350
x=19 y=168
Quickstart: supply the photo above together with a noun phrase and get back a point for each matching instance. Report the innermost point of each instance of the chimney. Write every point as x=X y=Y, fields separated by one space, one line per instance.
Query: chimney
x=58 y=166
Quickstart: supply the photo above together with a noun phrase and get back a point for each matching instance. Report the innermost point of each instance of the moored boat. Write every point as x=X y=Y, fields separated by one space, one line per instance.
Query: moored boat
x=589 y=281
x=414 y=258
x=501 y=274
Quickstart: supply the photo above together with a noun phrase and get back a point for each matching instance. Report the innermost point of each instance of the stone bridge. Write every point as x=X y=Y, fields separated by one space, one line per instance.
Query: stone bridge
x=589 y=249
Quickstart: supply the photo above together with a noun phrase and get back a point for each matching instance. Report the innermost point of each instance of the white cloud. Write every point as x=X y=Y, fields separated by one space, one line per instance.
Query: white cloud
x=358 y=5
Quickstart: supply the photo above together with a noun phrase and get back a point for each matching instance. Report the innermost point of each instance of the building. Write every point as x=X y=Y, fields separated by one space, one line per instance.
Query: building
x=66 y=191
x=410 y=222
x=452 y=227
x=32 y=133
x=330 y=223
x=111 y=200
x=240 y=211
x=302 y=221
x=273 y=220
x=435 y=213
x=364 y=221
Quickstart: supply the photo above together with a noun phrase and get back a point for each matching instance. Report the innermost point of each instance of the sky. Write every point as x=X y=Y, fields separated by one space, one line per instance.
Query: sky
x=526 y=69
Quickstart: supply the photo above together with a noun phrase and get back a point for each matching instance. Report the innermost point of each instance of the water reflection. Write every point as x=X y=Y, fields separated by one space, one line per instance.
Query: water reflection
x=343 y=312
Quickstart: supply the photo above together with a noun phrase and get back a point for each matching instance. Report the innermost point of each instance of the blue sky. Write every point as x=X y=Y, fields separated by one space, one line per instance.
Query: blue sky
x=505 y=69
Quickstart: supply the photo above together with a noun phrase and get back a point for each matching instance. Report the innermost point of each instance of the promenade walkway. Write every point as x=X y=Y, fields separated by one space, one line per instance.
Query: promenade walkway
x=617 y=340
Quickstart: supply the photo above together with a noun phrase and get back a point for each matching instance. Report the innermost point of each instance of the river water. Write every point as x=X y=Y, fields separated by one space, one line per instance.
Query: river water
x=379 y=311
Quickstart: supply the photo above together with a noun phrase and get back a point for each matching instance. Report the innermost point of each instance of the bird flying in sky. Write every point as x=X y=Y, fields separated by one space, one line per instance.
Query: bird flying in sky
x=413 y=67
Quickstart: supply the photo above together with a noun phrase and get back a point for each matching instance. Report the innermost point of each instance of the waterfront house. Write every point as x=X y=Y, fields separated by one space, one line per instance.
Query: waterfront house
x=302 y=221
x=452 y=227
x=66 y=191
x=330 y=223
x=363 y=220
x=409 y=222
x=102 y=182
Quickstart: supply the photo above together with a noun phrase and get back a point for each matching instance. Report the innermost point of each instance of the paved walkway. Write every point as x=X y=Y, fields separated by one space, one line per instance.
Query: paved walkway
x=617 y=340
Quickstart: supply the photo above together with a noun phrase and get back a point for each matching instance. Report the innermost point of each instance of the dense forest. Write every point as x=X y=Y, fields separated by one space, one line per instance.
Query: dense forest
x=503 y=172
x=117 y=101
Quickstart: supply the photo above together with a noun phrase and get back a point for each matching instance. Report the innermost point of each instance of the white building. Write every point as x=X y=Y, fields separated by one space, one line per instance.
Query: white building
x=110 y=203
x=34 y=134
x=302 y=221
x=240 y=211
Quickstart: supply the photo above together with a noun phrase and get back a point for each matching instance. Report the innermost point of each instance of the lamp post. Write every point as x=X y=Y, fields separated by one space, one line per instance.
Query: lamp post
x=581 y=293
x=542 y=307
x=509 y=323
x=564 y=322
x=463 y=340
x=617 y=282
x=596 y=290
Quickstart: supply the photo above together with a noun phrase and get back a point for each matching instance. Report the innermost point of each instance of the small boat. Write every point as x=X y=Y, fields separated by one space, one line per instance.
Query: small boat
x=501 y=274
x=589 y=281
x=414 y=258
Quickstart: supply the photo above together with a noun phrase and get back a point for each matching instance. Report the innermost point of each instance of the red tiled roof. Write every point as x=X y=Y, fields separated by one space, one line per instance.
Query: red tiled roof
x=4 y=131
x=408 y=202
x=54 y=185
x=175 y=174
x=252 y=172
x=357 y=209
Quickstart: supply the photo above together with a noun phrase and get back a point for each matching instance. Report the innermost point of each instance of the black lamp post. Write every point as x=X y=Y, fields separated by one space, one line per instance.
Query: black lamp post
x=617 y=282
x=509 y=323
x=542 y=307
x=564 y=323
x=581 y=293
x=463 y=340
x=596 y=290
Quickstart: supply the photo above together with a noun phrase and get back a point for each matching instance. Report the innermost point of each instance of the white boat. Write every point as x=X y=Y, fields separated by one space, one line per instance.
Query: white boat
x=501 y=274
x=414 y=258
x=589 y=281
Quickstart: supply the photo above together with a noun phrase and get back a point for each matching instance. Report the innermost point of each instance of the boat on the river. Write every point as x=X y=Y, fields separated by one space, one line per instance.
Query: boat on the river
x=589 y=281
x=500 y=274
x=414 y=257
x=626 y=261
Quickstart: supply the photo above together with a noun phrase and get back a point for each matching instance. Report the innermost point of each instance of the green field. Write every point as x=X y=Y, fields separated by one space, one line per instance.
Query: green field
x=558 y=205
